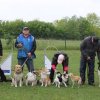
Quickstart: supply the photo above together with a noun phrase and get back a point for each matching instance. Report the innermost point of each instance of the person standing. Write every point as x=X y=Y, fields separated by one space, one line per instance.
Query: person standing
x=88 y=48
x=59 y=58
x=26 y=45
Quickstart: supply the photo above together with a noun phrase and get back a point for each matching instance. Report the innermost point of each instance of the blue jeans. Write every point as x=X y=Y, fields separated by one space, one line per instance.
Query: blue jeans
x=29 y=63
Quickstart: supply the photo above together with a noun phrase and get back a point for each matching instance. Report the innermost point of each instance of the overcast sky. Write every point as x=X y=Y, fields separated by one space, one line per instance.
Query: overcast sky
x=46 y=10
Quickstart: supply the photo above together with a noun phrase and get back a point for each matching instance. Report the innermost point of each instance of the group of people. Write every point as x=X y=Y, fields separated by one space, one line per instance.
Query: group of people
x=26 y=45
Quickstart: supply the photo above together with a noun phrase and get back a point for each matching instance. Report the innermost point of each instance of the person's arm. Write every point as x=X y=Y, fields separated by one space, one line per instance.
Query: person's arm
x=54 y=61
x=83 y=48
x=1 y=49
x=33 y=47
x=65 y=63
x=98 y=53
x=17 y=44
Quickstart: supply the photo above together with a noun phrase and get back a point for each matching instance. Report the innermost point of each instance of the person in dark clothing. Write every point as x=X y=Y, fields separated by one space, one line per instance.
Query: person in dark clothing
x=26 y=45
x=59 y=58
x=88 y=47
x=2 y=76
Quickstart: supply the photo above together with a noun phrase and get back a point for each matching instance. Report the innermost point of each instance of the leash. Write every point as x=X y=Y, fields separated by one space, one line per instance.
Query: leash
x=25 y=61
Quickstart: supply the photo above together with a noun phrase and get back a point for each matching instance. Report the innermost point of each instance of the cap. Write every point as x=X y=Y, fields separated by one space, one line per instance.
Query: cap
x=25 y=28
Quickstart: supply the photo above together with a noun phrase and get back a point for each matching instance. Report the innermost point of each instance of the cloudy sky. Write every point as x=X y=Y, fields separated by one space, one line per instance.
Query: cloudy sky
x=46 y=10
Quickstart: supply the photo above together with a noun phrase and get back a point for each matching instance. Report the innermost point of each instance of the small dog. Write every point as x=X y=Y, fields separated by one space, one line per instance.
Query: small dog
x=45 y=80
x=99 y=72
x=60 y=79
x=18 y=76
x=31 y=78
x=75 y=79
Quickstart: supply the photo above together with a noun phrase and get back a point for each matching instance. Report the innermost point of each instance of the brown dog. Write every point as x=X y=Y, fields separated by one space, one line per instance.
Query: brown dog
x=18 y=76
x=74 y=79
x=44 y=74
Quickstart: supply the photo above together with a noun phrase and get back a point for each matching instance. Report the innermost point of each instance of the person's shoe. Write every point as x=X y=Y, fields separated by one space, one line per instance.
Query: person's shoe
x=92 y=84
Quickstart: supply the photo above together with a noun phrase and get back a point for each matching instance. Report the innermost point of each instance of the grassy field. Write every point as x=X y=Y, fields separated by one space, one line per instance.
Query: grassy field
x=59 y=44
x=50 y=93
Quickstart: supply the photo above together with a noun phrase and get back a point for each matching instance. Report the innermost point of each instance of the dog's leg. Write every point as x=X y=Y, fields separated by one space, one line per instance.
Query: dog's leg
x=73 y=84
x=58 y=84
x=32 y=83
x=64 y=83
x=15 y=83
x=46 y=84
x=42 y=83
x=79 y=83
x=20 y=83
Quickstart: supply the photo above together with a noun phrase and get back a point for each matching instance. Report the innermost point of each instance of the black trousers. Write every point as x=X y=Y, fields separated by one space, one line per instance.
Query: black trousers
x=83 y=63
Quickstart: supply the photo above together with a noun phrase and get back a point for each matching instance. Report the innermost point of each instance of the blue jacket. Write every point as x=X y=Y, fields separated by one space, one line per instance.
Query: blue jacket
x=29 y=45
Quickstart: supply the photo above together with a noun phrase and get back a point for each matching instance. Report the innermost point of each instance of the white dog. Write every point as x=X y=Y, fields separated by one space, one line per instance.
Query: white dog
x=18 y=76
x=60 y=78
x=31 y=79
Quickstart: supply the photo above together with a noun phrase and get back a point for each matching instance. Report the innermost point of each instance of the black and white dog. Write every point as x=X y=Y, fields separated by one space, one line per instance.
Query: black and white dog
x=60 y=79
x=2 y=76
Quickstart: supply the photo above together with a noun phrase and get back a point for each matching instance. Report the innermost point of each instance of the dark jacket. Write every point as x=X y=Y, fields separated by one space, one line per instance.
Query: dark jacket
x=98 y=51
x=29 y=45
x=89 y=48
x=1 y=49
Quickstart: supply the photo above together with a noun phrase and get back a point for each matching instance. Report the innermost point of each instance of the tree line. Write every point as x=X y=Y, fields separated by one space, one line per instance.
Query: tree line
x=75 y=28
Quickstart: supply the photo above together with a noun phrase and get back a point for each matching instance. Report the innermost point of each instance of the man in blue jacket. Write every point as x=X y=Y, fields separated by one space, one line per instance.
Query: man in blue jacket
x=26 y=45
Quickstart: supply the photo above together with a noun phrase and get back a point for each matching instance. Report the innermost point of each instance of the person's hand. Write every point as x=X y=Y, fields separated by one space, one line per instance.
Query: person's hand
x=29 y=55
x=19 y=45
x=88 y=58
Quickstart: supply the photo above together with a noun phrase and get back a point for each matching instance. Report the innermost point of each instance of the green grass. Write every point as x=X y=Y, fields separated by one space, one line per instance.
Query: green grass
x=59 y=44
x=50 y=93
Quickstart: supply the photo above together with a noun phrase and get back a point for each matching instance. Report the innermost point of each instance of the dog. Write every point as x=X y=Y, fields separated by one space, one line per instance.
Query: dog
x=75 y=79
x=60 y=79
x=31 y=78
x=17 y=77
x=99 y=72
x=44 y=75
x=2 y=76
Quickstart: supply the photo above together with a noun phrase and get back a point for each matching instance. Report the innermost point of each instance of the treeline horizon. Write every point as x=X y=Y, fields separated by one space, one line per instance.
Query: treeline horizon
x=73 y=28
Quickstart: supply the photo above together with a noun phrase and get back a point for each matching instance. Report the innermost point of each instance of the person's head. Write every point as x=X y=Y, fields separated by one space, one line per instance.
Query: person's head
x=26 y=31
x=95 y=39
x=60 y=59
